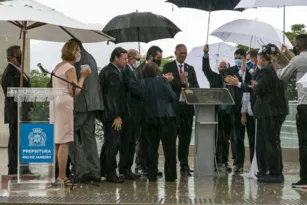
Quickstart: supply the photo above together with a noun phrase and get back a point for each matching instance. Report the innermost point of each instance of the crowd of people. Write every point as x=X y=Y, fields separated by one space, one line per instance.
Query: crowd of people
x=141 y=105
x=258 y=85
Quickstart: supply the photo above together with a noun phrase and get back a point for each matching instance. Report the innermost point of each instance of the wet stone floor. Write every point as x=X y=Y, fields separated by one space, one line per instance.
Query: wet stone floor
x=221 y=189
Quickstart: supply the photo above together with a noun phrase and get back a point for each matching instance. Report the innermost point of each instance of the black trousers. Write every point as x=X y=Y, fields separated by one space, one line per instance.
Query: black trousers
x=222 y=137
x=140 y=151
x=269 y=129
x=184 y=122
x=301 y=124
x=163 y=129
x=13 y=148
x=109 y=150
x=239 y=140
x=260 y=150
x=250 y=128
x=13 y=151
x=130 y=133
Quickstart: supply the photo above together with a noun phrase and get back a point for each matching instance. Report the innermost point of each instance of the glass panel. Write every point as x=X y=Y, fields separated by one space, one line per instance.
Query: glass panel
x=36 y=149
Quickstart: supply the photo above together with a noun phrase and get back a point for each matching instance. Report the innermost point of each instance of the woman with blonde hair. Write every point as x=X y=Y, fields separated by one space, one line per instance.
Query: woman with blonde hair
x=64 y=119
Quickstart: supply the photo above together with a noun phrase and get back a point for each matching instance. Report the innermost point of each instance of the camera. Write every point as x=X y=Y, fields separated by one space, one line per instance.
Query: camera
x=269 y=49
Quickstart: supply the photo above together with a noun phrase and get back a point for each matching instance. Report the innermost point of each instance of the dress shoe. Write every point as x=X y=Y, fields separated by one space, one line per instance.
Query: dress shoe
x=185 y=172
x=272 y=179
x=300 y=184
x=114 y=179
x=129 y=175
x=238 y=170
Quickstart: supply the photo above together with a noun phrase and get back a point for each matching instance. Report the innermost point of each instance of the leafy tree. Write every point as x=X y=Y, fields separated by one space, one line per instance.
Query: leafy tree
x=40 y=80
x=296 y=29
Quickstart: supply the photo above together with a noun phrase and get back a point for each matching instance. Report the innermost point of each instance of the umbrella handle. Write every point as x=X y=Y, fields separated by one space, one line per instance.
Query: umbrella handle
x=208 y=28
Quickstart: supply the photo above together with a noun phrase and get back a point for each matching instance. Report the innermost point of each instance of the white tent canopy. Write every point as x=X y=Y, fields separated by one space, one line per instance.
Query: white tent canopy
x=251 y=33
x=29 y=19
x=43 y=23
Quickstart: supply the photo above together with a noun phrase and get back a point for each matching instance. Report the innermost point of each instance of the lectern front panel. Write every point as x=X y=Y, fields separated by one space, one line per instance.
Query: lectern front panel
x=208 y=96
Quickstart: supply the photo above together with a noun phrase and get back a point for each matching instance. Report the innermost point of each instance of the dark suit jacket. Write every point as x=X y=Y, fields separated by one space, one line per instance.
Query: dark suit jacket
x=139 y=71
x=91 y=98
x=216 y=80
x=176 y=83
x=113 y=93
x=11 y=78
x=133 y=92
x=246 y=88
x=270 y=90
x=158 y=97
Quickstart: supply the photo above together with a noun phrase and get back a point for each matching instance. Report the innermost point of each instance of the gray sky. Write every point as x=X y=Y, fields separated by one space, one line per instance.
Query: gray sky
x=192 y=22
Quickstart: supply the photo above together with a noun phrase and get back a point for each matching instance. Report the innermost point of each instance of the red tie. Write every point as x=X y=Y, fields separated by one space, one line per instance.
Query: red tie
x=180 y=67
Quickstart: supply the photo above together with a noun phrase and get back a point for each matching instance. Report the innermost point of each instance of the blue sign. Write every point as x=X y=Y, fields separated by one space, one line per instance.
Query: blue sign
x=36 y=143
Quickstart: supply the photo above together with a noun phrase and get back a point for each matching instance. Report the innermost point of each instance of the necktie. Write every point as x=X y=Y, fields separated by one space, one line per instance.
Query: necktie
x=180 y=69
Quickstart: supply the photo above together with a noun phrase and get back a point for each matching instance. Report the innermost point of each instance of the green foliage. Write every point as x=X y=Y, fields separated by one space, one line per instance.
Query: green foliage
x=39 y=80
x=296 y=29
x=243 y=47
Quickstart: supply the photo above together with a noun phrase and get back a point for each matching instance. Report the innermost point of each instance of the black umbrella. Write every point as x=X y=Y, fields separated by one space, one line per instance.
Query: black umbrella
x=206 y=5
x=140 y=27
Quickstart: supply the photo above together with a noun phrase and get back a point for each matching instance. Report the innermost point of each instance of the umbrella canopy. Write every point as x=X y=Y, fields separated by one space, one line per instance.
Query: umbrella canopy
x=269 y=3
x=251 y=33
x=43 y=23
x=140 y=27
x=217 y=52
x=206 y=5
x=30 y=19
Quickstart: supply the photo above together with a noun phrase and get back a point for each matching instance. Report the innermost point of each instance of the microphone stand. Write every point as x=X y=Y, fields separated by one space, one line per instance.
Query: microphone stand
x=74 y=87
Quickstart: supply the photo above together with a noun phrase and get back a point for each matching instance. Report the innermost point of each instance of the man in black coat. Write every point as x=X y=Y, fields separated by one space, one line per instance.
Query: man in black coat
x=115 y=113
x=270 y=110
x=11 y=78
x=131 y=129
x=88 y=103
x=184 y=77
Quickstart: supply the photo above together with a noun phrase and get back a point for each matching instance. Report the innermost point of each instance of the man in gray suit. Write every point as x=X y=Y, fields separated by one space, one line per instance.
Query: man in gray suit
x=88 y=103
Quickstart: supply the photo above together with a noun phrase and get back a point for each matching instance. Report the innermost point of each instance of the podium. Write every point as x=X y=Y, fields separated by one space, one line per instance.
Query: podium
x=36 y=148
x=205 y=102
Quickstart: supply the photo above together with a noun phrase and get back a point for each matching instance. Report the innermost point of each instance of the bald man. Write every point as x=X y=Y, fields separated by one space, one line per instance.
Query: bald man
x=131 y=128
x=184 y=77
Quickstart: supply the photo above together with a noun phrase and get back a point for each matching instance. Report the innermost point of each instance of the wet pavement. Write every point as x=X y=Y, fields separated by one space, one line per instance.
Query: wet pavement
x=220 y=189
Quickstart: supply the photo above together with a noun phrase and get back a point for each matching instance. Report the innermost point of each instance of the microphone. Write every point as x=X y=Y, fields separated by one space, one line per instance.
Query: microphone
x=43 y=70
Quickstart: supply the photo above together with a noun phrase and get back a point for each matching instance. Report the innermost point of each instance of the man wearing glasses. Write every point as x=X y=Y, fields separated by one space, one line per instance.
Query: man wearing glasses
x=131 y=129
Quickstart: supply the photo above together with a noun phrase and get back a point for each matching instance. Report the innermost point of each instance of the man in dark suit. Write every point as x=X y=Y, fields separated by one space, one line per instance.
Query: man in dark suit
x=184 y=77
x=88 y=103
x=270 y=110
x=225 y=130
x=116 y=111
x=131 y=129
x=11 y=78
x=154 y=54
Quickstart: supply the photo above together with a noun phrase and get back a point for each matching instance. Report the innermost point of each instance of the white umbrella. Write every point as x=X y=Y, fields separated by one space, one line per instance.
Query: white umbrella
x=244 y=4
x=251 y=33
x=217 y=52
x=29 y=19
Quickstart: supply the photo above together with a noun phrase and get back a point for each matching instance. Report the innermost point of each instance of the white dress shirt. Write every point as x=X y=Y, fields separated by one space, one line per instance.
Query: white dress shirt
x=181 y=98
